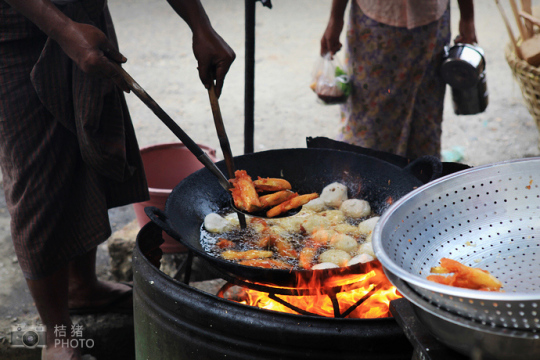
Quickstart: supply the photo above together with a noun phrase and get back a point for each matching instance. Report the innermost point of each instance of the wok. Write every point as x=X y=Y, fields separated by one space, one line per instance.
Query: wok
x=308 y=170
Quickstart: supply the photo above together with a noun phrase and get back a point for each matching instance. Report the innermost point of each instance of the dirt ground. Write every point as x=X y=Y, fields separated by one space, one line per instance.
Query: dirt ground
x=157 y=44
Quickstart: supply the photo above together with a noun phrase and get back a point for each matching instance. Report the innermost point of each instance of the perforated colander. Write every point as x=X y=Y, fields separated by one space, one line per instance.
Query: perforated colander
x=486 y=217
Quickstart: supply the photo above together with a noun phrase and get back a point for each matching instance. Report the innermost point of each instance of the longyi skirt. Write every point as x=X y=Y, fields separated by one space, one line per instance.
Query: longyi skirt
x=397 y=99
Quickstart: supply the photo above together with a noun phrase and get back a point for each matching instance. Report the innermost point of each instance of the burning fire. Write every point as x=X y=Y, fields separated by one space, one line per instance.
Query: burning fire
x=361 y=296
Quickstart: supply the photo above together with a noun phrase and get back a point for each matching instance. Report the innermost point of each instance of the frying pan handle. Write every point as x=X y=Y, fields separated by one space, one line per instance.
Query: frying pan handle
x=159 y=218
x=426 y=168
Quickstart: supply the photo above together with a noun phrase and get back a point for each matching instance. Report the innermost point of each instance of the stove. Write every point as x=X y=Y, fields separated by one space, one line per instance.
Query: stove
x=175 y=320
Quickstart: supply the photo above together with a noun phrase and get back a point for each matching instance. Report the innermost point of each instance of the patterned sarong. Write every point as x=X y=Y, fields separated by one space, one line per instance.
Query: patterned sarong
x=396 y=104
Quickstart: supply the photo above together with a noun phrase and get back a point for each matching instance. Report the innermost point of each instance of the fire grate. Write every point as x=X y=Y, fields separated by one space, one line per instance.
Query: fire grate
x=274 y=292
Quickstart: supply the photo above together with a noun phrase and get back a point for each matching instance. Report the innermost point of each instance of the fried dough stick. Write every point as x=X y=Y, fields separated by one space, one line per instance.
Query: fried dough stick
x=244 y=194
x=293 y=203
x=271 y=184
x=266 y=263
x=246 y=255
x=276 y=198
x=464 y=276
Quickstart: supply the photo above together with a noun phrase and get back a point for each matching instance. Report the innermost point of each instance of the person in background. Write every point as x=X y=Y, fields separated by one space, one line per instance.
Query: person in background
x=68 y=149
x=394 y=52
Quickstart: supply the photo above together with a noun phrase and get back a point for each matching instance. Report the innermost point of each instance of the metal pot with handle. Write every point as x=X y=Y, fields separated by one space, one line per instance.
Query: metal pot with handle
x=464 y=69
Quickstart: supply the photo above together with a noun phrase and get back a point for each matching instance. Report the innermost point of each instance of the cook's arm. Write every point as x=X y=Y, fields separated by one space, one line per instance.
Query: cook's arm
x=213 y=54
x=85 y=44
x=467 y=32
x=330 y=40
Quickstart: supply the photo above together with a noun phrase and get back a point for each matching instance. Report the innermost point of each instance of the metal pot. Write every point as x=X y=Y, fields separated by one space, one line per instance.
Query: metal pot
x=464 y=69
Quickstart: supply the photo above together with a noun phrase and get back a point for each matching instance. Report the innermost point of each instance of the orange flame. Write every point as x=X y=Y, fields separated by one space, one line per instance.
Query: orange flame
x=362 y=296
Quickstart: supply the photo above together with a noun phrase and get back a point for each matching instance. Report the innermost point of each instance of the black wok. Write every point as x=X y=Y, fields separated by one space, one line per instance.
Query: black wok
x=308 y=170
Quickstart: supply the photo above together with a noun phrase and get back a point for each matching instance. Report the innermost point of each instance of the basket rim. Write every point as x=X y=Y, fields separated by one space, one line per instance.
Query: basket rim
x=514 y=62
x=422 y=282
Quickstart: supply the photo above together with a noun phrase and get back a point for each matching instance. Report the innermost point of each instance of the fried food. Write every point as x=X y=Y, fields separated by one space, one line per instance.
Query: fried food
x=244 y=194
x=355 y=208
x=464 y=276
x=276 y=198
x=246 y=255
x=293 y=203
x=266 y=263
x=271 y=184
x=307 y=240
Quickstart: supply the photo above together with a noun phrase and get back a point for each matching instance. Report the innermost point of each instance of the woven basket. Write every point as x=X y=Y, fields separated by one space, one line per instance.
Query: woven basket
x=528 y=78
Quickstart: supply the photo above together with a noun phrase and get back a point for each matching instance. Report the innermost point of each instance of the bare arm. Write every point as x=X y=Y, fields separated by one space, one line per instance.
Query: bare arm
x=467 y=32
x=85 y=44
x=330 y=40
x=213 y=54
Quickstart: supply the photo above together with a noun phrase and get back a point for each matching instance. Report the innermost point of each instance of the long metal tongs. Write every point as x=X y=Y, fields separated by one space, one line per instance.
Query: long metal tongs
x=185 y=139
x=224 y=143
x=173 y=126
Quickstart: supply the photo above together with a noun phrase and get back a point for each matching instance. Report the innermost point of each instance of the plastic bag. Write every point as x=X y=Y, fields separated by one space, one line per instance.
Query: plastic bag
x=330 y=80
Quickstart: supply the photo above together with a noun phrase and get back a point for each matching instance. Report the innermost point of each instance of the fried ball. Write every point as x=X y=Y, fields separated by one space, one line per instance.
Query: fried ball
x=315 y=223
x=348 y=229
x=366 y=248
x=326 y=265
x=215 y=223
x=366 y=227
x=338 y=257
x=334 y=216
x=290 y=224
x=360 y=259
x=344 y=242
x=334 y=194
x=316 y=205
x=355 y=208
x=233 y=218
x=323 y=236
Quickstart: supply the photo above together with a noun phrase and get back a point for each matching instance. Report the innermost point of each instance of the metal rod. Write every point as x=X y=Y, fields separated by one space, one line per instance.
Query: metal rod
x=359 y=302
x=291 y=306
x=249 y=91
x=335 y=305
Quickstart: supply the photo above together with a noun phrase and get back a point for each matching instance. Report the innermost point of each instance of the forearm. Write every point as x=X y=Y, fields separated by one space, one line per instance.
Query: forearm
x=338 y=9
x=44 y=14
x=192 y=12
x=466 y=9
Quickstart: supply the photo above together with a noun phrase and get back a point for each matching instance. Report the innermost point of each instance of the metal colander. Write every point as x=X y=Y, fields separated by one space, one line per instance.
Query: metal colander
x=486 y=217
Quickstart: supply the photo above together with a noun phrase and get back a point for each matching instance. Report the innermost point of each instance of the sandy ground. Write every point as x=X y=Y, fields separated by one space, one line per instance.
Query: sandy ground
x=158 y=45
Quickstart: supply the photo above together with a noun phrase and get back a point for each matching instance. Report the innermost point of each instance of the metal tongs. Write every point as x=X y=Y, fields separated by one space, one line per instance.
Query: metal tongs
x=186 y=139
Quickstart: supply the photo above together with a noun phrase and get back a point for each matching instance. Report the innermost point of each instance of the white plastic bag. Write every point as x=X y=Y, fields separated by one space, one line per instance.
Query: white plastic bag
x=330 y=80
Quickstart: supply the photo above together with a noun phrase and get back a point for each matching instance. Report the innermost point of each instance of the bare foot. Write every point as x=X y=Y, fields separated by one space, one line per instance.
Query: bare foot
x=60 y=353
x=99 y=294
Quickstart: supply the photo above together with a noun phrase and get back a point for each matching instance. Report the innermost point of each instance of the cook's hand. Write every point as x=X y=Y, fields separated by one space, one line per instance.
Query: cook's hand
x=467 y=32
x=214 y=57
x=92 y=51
x=330 y=40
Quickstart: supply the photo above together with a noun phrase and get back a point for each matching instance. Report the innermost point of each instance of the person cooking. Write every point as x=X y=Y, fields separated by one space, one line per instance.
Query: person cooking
x=68 y=149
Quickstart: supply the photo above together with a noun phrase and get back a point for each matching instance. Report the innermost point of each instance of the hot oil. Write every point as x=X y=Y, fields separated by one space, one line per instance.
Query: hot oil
x=250 y=238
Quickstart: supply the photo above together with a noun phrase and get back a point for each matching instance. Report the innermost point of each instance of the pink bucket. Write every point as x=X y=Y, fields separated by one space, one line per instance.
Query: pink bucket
x=165 y=166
